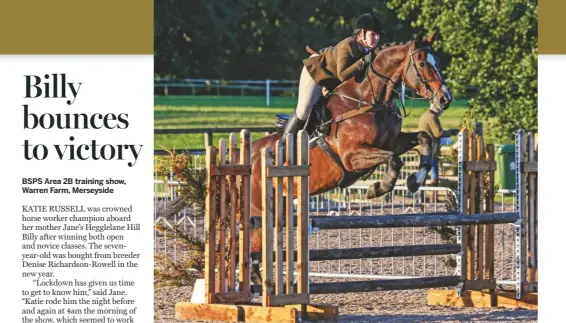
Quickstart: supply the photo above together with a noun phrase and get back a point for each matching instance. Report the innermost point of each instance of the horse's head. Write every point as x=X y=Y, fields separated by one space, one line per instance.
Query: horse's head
x=422 y=72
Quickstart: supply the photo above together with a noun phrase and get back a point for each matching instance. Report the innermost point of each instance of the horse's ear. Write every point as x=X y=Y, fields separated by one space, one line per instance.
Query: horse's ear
x=418 y=38
x=430 y=39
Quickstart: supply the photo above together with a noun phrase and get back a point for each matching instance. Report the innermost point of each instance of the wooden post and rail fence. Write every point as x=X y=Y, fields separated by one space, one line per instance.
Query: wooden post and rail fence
x=284 y=301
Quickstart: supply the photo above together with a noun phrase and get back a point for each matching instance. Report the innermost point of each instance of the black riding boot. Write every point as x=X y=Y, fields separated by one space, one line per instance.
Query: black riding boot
x=293 y=126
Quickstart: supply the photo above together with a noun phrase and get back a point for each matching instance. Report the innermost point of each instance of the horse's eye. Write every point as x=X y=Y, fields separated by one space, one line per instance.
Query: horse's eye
x=421 y=64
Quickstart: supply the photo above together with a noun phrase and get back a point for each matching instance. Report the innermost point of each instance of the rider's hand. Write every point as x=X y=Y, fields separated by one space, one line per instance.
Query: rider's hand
x=325 y=91
x=368 y=58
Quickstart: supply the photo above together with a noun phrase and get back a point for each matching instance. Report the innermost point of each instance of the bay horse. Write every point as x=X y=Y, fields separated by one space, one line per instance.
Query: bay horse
x=368 y=133
x=365 y=131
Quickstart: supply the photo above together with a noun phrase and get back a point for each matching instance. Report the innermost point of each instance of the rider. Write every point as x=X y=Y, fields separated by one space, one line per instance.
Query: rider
x=333 y=66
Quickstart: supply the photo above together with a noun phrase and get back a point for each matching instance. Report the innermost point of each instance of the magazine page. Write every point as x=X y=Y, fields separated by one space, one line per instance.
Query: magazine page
x=281 y=161
x=77 y=94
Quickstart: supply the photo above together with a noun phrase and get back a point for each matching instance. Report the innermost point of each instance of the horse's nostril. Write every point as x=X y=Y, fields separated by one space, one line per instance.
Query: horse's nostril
x=445 y=101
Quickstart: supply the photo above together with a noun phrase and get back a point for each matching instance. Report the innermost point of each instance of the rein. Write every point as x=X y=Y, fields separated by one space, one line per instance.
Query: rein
x=368 y=106
x=419 y=80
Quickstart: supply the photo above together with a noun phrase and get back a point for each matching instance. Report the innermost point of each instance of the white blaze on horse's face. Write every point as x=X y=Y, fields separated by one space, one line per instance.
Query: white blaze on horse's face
x=432 y=61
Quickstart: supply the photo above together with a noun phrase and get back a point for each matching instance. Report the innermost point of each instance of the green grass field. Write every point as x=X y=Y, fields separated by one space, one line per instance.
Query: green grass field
x=247 y=111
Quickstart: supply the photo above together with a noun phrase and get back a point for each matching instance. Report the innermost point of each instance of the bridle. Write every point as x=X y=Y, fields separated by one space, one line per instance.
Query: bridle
x=420 y=81
x=429 y=95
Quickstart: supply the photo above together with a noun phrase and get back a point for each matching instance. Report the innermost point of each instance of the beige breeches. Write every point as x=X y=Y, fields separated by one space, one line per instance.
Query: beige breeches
x=309 y=93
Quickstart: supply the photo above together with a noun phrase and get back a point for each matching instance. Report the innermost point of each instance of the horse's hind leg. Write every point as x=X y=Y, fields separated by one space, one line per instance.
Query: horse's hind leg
x=256 y=273
x=407 y=141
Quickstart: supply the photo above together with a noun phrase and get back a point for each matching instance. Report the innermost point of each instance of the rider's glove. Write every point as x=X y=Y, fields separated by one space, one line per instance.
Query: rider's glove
x=368 y=58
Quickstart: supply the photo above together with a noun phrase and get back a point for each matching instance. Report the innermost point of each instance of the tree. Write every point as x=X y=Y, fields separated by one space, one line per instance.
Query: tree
x=254 y=39
x=192 y=37
x=493 y=46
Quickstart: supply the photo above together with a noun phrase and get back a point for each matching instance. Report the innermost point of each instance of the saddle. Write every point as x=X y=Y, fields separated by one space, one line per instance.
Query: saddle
x=317 y=124
x=318 y=128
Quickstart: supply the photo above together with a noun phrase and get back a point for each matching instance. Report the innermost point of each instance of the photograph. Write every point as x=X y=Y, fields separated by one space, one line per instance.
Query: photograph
x=346 y=161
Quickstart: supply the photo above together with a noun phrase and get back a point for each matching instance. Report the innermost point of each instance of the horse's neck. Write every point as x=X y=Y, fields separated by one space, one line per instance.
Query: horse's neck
x=388 y=63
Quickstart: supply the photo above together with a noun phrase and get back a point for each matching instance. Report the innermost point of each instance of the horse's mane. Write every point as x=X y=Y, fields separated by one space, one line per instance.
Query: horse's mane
x=380 y=50
x=389 y=45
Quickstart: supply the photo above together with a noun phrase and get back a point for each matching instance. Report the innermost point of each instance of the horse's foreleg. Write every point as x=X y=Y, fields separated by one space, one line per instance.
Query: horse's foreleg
x=373 y=157
x=407 y=141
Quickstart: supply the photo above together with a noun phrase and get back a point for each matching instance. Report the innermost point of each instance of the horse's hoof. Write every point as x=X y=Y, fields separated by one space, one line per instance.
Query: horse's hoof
x=416 y=180
x=371 y=192
x=412 y=184
x=256 y=275
x=374 y=191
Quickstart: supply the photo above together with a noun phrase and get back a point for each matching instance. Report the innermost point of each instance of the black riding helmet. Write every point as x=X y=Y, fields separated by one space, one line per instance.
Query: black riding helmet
x=369 y=21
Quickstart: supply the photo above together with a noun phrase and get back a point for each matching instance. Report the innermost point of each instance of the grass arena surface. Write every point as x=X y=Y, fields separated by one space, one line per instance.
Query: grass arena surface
x=172 y=112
